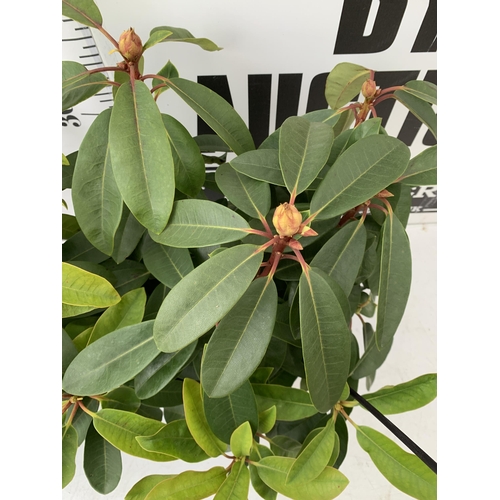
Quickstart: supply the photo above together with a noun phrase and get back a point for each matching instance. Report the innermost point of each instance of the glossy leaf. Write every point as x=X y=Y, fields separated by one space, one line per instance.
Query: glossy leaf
x=216 y=112
x=236 y=485
x=129 y=311
x=141 y=489
x=360 y=173
x=161 y=371
x=262 y=165
x=81 y=288
x=422 y=169
x=225 y=415
x=69 y=226
x=343 y=435
x=127 y=236
x=81 y=420
x=120 y=428
x=291 y=403
x=69 y=351
x=201 y=223
x=344 y=83
x=83 y=11
x=421 y=109
x=122 y=398
x=426 y=91
x=304 y=148
x=395 y=279
x=314 y=458
x=197 y=422
x=78 y=85
x=267 y=419
x=111 y=361
x=169 y=396
x=240 y=340
x=403 y=470
x=174 y=440
x=183 y=35
x=156 y=37
x=167 y=264
x=189 y=485
x=249 y=195
x=102 y=463
x=405 y=397
x=326 y=342
x=328 y=116
x=241 y=440
x=285 y=446
x=129 y=275
x=282 y=325
x=67 y=171
x=69 y=449
x=168 y=71
x=327 y=485
x=188 y=162
x=96 y=198
x=341 y=256
x=190 y=310
x=141 y=157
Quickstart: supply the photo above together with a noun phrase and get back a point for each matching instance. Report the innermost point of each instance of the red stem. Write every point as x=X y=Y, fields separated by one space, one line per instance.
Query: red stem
x=391 y=89
x=378 y=100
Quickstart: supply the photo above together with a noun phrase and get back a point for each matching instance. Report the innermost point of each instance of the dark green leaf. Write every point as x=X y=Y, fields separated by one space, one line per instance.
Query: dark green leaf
x=111 y=361
x=360 y=173
x=102 y=463
x=129 y=275
x=83 y=11
x=326 y=340
x=403 y=470
x=225 y=415
x=285 y=446
x=79 y=248
x=69 y=351
x=127 y=236
x=168 y=71
x=343 y=435
x=69 y=226
x=141 y=155
x=328 y=116
x=78 y=85
x=395 y=279
x=236 y=485
x=169 y=396
x=156 y=37
x=282 y=326
x=426 y=91
x=275 y=354
x=155 y=301
x=261 y=375
x=183 y=35
x=421 y=109
x=67 y=170
x=365 y=129
x=344 y=83
x=122 y=398
x=211 y=143
x=422 y=169
x=69 y=449
x=262 y=165
x=240 y=340
x=190 y=310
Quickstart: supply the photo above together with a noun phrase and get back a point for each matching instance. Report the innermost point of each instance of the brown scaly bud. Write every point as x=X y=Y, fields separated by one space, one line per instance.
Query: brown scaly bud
x=384 y=194
x=307 y=231
x=130 y=45
x=369 y=89
x=295 y=244
x=287 y=219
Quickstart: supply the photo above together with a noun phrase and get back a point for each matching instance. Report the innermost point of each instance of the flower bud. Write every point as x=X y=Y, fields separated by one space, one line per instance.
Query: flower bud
x=368 y=89
x=308 y=231
x=287 y=219
x=130 y=45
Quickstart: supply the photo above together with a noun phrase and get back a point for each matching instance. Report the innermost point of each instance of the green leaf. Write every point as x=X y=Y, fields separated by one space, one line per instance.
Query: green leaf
x=236 y=485
x=326 y=342
x=127 y=236
x=188 y=162
x=262 y=165
x=314 y=458
x=285 y=446
x=341 y=256
x=129 y=311
x=343 y=435
x=426 y=91
x=167 y=264
x=421 y=109
x=168 y=71
x=241 y=440
x=157 y=37
x=102 y=463
x=261 y=375
x=405 y=397
x=69 y=351
x=304 y=148
x=79 y=248
x=249 y=195
x=81 y=288
x=327 y=485
x=225 y=415
x=69 y=311
x=96 y=198
x=282 y=326
x=83 y=11
x=240 y=340
x=267 y=419
x=67 y=171
x=201 y=223
x=189 y=485
x=111 y=361
x=422 y=169
x=161 y=371
x=69 y=226
x=372 y=358
x=129 y=275
x=141 y=156
x=169 y=396
x=344 y=83
x=174 y=440
x=360 y=173
x=291 y=404
x=122 y=398
x=78 y=85
x=121 y=428
x=403 y=470
x=69 y=449
x=216 y=112
x=395 y=279
x=183 y=35
x=190 y=310
x=328 y=116
x=197 y=422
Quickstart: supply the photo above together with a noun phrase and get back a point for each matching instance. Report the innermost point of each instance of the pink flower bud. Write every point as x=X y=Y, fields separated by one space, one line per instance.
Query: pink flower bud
x=287 y=219
x=368 y=89
x=130 y=45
